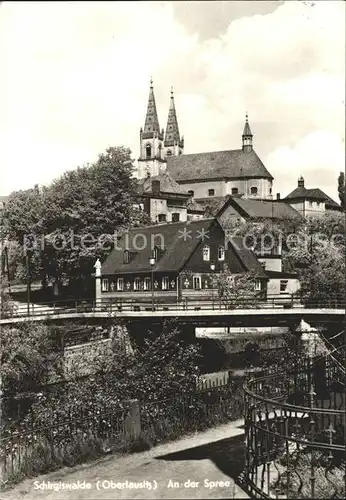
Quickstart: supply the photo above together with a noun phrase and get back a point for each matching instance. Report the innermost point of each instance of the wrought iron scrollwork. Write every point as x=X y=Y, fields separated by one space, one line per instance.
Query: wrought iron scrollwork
x=295 y=434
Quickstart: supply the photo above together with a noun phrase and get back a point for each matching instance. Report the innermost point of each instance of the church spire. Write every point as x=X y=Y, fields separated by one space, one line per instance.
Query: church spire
x=173 y=141
x=247 y=136
x=151 y=126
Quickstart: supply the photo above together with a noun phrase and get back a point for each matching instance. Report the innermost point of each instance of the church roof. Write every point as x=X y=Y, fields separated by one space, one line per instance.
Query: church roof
x=172 y=129
x=151 y=125
x=247 y=130
x=232 y=164
x=167 y=184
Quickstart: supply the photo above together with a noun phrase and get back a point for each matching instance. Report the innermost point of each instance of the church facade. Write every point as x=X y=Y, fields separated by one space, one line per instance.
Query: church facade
x=202 y=175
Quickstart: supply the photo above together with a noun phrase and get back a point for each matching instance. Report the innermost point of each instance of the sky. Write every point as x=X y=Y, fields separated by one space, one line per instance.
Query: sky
x=75 y=80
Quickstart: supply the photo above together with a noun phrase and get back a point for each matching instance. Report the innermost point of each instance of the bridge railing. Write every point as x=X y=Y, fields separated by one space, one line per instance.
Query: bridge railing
x=112 y=306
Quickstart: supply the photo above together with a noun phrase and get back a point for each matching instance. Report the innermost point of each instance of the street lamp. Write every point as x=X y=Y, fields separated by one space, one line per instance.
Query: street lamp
x=212 y=268
x=152 y=264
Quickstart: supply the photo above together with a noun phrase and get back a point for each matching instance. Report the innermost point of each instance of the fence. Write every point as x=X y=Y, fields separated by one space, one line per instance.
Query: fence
x=28 y=449
x=170 y=418
x=295 y=433
x=112 y=305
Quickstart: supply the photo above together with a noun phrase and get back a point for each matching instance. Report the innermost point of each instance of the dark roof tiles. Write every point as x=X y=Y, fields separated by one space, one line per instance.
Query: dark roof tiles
x=232 y=164
x=167 y=184
x=314 y=194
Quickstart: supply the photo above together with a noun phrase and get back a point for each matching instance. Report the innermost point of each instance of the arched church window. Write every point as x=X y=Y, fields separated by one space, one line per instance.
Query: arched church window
x=253 y=190
x=148 y=150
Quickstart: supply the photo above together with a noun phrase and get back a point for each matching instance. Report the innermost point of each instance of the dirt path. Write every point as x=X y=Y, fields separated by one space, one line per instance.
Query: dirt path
x=188 y=468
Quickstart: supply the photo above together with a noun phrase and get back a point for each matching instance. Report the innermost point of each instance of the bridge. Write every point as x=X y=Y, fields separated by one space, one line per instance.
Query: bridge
x=273 y=311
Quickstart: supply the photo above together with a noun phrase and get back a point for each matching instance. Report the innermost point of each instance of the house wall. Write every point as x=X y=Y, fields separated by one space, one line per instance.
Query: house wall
x=200 y=189
x=157 y=206
x=229 y=216
x=314 y=208
x=193 y=216
x=309 y=208
x=274 y=286
x=271 y=263
x=224 y=187
x=182 y=211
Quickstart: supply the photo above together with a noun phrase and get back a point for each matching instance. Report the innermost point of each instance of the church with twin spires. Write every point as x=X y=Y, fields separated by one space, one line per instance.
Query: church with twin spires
x=175 y=187
x=202 y=175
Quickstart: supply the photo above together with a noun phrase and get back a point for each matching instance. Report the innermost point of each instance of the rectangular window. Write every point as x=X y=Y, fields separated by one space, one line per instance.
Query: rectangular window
x=147 y=283
x=137 y=284
x=318 y=203
x=120 y=284
x=310 y=203
x=221 y=253
x=165 y=283
x=197 y=282
x=283 y=286
x=211 y=192
x=104 y=285
x=162 y=217
x=175 y=217
x=206 y=253
x=257 y=285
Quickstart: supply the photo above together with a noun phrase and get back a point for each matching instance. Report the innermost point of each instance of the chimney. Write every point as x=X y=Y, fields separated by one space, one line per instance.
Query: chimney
x=278 y=196
x=155 y=187
x=301 y=182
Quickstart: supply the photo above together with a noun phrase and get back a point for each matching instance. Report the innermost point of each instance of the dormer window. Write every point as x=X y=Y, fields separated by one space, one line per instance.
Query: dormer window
x=126 y=257
x=221 y=253
x=206 y=253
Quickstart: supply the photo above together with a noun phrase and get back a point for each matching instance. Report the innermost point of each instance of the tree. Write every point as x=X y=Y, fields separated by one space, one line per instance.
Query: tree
x=318 y=250
x=70 y=223
x=341 y=189
x=24 y=351
x=166 y=367
x=236 y=290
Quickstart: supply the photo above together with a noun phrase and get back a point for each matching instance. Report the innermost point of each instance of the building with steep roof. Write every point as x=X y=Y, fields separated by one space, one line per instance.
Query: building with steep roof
x=182 y=255
x=310 y=202
x=163 y=199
